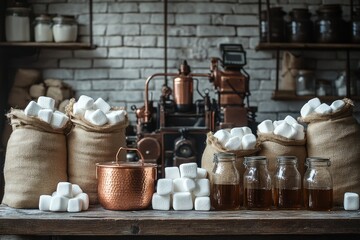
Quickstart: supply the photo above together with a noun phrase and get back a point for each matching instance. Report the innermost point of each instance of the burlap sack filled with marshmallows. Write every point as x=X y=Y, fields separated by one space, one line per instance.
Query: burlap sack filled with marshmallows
x=213 y=145
x=272 y=146
x=336 y=136
x=35 y=160
x=88 y=145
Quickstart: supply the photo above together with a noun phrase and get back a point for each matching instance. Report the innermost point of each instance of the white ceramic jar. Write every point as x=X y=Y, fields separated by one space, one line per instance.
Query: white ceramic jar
x=17 y=24
x=43 y=29
x=65 y=29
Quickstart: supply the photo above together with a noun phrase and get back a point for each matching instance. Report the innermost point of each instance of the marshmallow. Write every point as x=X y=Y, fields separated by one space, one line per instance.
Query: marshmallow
x=202 y=188
x=85 y=200
x=64 y=189
x=246 y=130
x=45 y=115
x=183 y=184
x=58 y=120
x=98 y=118
x=306 y=110
x=266 y=126
x=285 y=130
x=290 y=120
x=337 y=105
x=85 y=102
x=188 y=170
x=32 y=109
x=300 y=134
x=172 y=172
x=54 y=194
x=222 y=135
x=46 y=102
x=201 y=173
x=277 y=123
x=159 y=202
x=75 y=189
x=238 y=131
x=74 y=205
x=234 y=143
x=323 y=109
x=314 y=102
x=88 y=112
x=202 y=203
x=102 y=105
x=182 y=201
x=58 y=204
x=44 y=202
x=248 y=141
x=351 y=201
x=115 y=117
x=164 y=186
x=77 y=111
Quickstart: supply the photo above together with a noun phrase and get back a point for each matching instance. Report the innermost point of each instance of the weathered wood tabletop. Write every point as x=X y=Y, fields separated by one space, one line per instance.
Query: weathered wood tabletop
x=98 y=221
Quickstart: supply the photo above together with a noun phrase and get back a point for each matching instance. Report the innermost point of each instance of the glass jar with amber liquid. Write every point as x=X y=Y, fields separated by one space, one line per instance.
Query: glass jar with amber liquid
x=257 y=184
x=287 y=184
x=225 y=191
x=318 y=185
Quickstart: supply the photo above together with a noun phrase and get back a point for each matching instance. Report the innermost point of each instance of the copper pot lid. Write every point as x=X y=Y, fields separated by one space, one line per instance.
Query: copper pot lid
x=118 y=164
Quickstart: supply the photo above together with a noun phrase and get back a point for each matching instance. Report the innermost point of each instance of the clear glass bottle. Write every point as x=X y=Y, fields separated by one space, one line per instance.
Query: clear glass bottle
x=43 y=29
x=225 y=191
x=17 y=24
x=65 y=29
x=257 y=183
x=287 y=184
x=318 y=185
x=305 y=83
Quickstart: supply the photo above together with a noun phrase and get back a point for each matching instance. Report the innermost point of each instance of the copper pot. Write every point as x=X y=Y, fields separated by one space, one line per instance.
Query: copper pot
x=125 y=185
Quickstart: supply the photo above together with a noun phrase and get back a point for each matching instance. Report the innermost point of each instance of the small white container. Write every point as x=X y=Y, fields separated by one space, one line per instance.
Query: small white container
x=17 y=24
x=65 y=29
x=43 y=29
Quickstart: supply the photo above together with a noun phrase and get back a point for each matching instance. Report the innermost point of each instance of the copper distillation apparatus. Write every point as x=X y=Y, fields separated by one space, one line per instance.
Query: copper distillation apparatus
x=174 y=131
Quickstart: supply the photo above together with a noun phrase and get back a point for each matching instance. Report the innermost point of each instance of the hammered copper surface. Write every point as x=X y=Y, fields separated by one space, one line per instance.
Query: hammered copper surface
x=125 y=188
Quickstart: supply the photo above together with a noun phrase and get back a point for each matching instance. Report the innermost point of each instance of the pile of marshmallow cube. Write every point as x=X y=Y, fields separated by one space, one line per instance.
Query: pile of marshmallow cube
x=288 y=128
x=239 y=138
x=44 y=109
x=184 y=188
x=68 y=197
x=314 y=105
x=97 y=112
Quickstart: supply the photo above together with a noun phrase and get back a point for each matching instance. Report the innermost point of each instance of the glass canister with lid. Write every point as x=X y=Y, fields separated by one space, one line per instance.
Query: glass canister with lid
x=318 y=184
x=329 y=27
x=225 y=190
x=65 y=29
x=43 y=28
x=257 y=184
x=277 y=25
x=305 y=82
x=17 y=24
x=300 y=26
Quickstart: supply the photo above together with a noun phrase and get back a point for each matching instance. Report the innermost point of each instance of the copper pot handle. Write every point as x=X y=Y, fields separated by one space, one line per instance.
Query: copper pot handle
x=127 y=149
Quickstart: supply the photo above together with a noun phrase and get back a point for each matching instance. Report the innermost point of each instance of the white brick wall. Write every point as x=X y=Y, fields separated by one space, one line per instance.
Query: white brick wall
x=129 y=35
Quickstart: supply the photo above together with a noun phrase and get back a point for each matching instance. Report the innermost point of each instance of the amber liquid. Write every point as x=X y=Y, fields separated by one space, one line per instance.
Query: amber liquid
x=287 y=198
x=225 y=196
x=258 y=198
x=318 y=199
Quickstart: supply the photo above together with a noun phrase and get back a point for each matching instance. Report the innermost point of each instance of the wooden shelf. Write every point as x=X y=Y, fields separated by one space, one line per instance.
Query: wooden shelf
x=99 y=222
x=290 y=96
x=307 y=46
x=74 y=45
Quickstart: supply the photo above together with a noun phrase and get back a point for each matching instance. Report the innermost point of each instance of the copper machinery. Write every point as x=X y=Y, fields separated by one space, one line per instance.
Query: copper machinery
x=174 y=131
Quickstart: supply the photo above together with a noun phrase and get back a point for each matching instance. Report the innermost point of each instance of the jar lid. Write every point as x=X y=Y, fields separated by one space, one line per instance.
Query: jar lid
x=286 y=159
x=66 y=19
x=18 y=10
x=255 y=159
x=43 y=17
x=317 y=160
x=305 y=71
x=224 y=156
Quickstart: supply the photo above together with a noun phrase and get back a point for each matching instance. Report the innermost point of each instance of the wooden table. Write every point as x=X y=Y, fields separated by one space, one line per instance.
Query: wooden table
x=100 y=222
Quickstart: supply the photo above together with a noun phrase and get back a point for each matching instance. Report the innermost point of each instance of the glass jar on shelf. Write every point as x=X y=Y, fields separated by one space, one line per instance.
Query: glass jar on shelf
x=257 y=184
x=43 y=28
x=300 y=26
x=318 y=184
x=277 y=25
x=329 y=27
x=65 y=29
x=225 y=190
x=17 y=24
x=355 y=26
x=305 y=82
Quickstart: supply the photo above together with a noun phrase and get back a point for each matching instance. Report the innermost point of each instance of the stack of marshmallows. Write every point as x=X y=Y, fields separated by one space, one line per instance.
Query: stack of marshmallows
x=184 y=188
x=68 y=197
x=97 y=112
x=315 y=106
x=44 y=109
x=288 y=128
x=239 y=138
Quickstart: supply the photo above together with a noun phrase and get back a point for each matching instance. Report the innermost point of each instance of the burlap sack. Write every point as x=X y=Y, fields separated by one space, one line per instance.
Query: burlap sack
x=26 y=77
x=272 y=146
x=213 y=145
x=336 y=136
x=19 y=97
x=289 y=70
x=88 y=145
x=35 y=160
